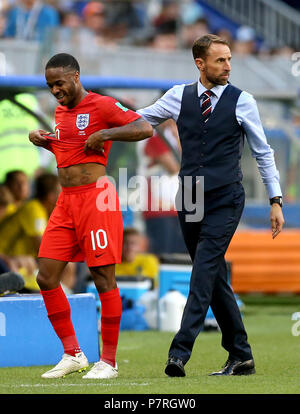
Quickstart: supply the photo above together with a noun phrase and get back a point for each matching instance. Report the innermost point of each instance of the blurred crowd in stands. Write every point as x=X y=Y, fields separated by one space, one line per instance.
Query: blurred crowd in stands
x=159 y=24
x=25 y=207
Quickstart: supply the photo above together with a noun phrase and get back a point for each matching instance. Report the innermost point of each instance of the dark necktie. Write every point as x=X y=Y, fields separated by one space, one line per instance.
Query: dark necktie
x=206 y=105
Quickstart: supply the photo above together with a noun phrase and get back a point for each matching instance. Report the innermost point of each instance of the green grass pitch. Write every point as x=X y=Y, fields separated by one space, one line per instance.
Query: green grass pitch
x=142 y=356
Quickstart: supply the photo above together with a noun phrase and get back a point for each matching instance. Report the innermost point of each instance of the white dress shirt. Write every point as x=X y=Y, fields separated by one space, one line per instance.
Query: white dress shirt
x=247 y=115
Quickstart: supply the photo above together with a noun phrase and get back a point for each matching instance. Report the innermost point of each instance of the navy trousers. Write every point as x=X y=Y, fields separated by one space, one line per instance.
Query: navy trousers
x=207 y=242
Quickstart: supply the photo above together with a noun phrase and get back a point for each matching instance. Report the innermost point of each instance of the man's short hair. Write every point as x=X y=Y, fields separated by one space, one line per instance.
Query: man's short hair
x=131 y=231
x=45 y=184
x=202 y=44
x=11 y=176
x=63 y=60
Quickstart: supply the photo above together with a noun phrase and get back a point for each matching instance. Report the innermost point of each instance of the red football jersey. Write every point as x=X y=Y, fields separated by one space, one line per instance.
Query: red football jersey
x=74 y=126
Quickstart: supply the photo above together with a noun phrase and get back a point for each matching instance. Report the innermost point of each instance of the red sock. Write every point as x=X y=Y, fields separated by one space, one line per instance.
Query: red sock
x=59 y=314
x=111 y=311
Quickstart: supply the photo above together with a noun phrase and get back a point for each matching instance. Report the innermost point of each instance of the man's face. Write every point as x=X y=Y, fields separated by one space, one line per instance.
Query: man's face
x=131 y=247
x=216 y=67
x=20 y=187
x=64 y=84
x=28 y=3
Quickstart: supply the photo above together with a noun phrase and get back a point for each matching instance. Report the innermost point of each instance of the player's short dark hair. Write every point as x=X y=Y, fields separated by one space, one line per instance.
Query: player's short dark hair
x=45 y=184
x=63 y=60
x=203 y=43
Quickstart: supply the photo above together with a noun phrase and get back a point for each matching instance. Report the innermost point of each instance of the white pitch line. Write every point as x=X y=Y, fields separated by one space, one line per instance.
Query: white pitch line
x=76 y=385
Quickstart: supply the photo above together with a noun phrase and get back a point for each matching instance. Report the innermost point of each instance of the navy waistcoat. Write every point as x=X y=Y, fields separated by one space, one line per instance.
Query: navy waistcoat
x=212 y=149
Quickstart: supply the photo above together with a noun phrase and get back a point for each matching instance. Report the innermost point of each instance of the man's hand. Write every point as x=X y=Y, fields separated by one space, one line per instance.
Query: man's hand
x=37 y=138
x=277 y=220
x=95 y=142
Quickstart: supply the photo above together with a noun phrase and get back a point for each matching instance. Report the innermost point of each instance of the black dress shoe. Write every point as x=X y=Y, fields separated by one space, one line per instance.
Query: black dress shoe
x=175 y=367
x=237 y=368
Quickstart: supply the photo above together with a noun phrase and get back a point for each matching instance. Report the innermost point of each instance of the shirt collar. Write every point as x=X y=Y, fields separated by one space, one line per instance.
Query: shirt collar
x=216 y=90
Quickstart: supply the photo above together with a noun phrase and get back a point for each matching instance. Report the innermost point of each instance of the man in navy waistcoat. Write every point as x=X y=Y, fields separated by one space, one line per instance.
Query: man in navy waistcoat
x=213 y=117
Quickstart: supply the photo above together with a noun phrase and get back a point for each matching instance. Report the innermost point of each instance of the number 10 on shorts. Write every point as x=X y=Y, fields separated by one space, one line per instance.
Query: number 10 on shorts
x=99 y=239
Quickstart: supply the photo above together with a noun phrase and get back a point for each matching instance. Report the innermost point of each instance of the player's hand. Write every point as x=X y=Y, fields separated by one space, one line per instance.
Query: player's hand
x=95 y=142
x=277 y=220
x=37 y=138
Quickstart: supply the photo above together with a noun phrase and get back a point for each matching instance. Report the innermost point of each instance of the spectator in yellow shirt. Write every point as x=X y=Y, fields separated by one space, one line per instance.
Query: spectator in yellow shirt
x=134 y=261
x=21 y=232
x=7 y=206
x=18 y=184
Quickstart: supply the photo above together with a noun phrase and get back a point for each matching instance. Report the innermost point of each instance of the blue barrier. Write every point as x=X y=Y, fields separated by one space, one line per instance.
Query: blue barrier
x=27 y=337
x=92 y=82
x=174 y=277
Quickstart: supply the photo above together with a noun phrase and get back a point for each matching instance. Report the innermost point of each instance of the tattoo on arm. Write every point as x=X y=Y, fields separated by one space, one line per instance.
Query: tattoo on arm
x=134 y=131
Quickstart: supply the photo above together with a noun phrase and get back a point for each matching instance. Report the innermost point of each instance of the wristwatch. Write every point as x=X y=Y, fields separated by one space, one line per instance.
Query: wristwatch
x=277 y=200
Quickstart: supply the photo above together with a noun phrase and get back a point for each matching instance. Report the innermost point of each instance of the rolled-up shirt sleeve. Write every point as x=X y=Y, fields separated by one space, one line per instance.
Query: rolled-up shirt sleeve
x=248 y=117
x=166 y=107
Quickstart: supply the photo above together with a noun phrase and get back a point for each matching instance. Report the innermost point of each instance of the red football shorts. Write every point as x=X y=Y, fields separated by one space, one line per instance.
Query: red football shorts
x=86 y=224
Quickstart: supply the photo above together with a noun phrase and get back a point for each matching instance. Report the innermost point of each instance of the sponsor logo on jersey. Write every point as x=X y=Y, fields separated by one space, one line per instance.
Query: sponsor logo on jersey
x=82 y=121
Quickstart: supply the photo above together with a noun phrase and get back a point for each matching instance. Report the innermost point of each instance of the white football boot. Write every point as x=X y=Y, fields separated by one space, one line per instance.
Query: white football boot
x=102 y=370
x=67 y=365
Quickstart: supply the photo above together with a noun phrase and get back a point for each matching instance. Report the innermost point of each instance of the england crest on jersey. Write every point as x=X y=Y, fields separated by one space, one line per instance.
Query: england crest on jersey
x=82 y=121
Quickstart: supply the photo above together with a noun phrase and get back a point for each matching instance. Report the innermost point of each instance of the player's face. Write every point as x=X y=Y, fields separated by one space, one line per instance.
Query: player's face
x=131 y=247
x=20 y=187
x=216 y=67
x=64 y=85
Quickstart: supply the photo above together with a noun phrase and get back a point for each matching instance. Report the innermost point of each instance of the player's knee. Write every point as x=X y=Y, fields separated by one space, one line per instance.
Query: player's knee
x=42 y=281
x=104 y=285
x=104 y=281
x=46 y=279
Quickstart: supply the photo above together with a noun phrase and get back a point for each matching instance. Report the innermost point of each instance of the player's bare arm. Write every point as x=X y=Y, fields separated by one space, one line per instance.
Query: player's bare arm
x=134 y=131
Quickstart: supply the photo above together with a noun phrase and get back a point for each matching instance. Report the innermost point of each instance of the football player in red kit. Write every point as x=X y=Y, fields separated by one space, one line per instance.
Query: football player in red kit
x=79 y=229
